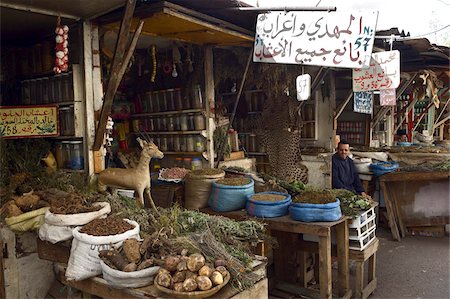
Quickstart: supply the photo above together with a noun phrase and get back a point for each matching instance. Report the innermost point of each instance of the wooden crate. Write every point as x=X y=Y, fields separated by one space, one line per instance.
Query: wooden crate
x=58 y=253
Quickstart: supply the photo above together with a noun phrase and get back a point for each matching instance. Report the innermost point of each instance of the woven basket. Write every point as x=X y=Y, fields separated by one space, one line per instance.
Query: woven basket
x=195 y=294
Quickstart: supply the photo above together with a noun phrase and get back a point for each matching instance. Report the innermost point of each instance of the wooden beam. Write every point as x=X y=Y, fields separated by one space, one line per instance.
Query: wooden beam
x=209 y=102
x=441 y=122
x=221 y=144
x=116 y=65
x=342 y=106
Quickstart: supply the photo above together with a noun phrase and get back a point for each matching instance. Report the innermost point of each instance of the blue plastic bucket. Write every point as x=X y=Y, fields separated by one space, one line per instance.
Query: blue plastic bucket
x=268 y=209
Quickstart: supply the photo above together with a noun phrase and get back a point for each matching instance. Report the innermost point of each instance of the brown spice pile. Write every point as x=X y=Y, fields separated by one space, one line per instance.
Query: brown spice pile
x=207 y=171
x=321 y=197
x=72 y=204
x=268 y=197
x=106 y=227
x=237 y=181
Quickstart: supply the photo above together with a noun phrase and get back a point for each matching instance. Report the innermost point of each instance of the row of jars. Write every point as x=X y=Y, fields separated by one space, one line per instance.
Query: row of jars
x=47 y=90
x=69 y=155
x=182 y=122
x=169 y=100
x=66 y=121
x=180 y=143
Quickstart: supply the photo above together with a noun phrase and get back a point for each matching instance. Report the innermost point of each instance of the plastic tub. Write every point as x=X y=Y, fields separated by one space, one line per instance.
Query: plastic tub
x=308 y=212
x=225 y=198
x=268 y=209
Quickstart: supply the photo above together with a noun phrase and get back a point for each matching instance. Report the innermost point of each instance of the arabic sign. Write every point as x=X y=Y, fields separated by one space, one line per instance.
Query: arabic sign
x=29 y=121
x=387 y=97
x=363 y=102
x=303 y=84
x=315 y=38
x=383 y=73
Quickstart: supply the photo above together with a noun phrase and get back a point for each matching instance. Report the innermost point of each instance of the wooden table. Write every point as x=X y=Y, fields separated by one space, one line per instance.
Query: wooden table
x=99 y=287
x=323 y=231
x=406 y=193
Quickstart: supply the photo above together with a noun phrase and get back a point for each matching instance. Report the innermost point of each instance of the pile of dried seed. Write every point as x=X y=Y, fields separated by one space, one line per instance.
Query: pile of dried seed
x=268 y=197
x=237 y=181
x=106 y=227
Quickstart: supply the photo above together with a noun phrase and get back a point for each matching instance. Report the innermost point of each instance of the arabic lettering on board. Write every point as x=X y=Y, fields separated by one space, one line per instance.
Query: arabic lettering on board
x=337 y=39
x=383 y=72
x=23 y=122
x=363 y=102
x=387 y=97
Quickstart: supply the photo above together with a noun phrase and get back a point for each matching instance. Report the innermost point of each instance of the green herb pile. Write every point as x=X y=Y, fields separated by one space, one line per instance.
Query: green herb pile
x=351 y=203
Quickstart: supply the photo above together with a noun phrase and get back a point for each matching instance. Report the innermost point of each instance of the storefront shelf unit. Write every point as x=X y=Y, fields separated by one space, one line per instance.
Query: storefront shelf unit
x=167 y=113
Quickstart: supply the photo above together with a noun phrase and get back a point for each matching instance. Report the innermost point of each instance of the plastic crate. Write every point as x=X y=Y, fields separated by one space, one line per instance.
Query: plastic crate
x=358 y=232
x=363 y=241
x=362 y=218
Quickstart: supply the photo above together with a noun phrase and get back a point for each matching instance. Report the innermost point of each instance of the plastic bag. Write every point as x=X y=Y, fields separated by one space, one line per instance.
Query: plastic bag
x=27 y=221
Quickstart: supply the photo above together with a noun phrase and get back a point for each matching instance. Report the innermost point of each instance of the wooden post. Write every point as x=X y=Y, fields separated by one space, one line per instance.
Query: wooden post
x=209 y=102
x=390 y=212
x=89 y=132
x=325 y=266
x=342 y=254
x=116 y=65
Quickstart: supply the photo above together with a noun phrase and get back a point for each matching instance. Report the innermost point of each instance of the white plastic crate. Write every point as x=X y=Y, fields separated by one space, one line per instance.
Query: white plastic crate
x=362 y=218
x=362 y=242
x=358 y=232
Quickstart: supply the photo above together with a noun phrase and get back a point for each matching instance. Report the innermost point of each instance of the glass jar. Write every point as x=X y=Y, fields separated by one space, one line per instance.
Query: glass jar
x=178 y=99
x=44 y=91
x=155 y=98
x=25 y=89
x=183 y=122
x=66 y=154
x=69 y=87
x=76 y=155
x=196 y=163
x=163 y=123
x=182 y=143
x=176 y=121
x=135 y=125
x=51 y=90
x=176 y=143
x=157 y=141
x=38 y=93
x=199 y=122
x=170 y=100
x=66 y=122
x=59 y=154
x=197 y=101
x=199 y=144
x=187 y=163
x=157 y=123
x=252 y=143
x=150 y=124
x=163 y=142
x=56 y=89
x=169 y=143
x=162 y=101
x=190 y=143
x=191 y=122
x=170 y=123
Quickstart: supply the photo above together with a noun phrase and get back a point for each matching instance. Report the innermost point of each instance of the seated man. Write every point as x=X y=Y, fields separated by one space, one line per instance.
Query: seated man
x=344 y=174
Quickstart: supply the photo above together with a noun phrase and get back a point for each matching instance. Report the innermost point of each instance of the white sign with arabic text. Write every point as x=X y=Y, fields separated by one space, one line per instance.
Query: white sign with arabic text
x=336 y=39
x=383 y=73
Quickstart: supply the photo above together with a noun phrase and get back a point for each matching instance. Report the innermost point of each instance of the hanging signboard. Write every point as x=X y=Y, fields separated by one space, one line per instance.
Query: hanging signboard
x=387 y=97
x=316 y=38
x=303 y=84
x=363 y=102
x=28 y=121
x=383 y=73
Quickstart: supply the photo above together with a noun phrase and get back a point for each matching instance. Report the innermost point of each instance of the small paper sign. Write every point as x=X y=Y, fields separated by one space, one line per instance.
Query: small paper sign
x=303 y=84
x=28 y=121
x=387 y=97
x=363 y=102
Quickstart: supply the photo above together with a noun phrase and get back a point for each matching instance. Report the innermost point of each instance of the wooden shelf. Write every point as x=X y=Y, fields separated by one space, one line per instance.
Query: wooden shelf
x=167 y=113
x=172 y=133
x=256 y=154
x=65 y=138
x=183 y=153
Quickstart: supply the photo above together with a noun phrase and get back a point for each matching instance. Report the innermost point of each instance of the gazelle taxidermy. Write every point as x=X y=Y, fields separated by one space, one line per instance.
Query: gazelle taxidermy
x=137 y=178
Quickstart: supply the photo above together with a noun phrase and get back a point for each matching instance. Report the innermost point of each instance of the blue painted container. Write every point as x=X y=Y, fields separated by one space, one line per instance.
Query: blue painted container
x=381 y=168
x=224 y=198
x=308 y=212
x=268 y=209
